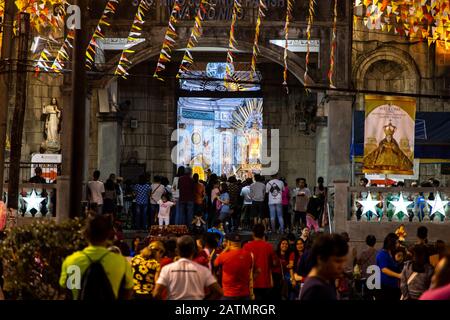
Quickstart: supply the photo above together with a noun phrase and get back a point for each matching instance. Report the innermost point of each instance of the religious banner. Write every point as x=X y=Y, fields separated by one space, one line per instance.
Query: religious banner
x=389 y=135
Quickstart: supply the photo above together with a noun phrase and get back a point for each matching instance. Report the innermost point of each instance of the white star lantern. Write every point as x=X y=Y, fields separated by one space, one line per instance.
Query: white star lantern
x=401 y=205
x=437 y=205
x=369 y=204
x=33 y=201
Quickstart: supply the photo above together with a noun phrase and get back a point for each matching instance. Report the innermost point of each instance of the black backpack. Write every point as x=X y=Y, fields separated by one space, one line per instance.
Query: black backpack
x=95 y=285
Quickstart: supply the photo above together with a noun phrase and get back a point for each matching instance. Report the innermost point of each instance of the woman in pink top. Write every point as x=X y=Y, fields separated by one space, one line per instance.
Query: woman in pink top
x=285 y=203
x=440 y=282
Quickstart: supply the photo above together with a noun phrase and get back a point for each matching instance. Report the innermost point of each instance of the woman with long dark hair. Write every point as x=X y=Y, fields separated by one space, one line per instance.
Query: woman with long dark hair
x=390 y=274
x=280 y=274
x=294 y=263
x=416 y=275
x=110 y=200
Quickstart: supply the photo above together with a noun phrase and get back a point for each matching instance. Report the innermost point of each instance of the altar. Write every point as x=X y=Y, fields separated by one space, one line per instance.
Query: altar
x=222 y=135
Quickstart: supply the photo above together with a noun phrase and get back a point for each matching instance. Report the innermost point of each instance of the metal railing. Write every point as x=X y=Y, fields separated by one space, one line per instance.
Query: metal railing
x=49 y=171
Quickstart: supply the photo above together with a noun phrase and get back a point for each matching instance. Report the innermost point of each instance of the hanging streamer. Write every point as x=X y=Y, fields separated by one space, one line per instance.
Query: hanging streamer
x=63 y=54
x=196 y=33
x=135 y=32
x=168 y=42
x=312 y=3
x=42 y=13
x=44 y=62
x=237 y=7
x=333 y=46
x=261 y=14
x=289 y=8
x=108 y=13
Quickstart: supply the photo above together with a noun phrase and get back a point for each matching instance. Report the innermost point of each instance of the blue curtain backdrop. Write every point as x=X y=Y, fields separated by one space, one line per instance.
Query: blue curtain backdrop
x=432 y=138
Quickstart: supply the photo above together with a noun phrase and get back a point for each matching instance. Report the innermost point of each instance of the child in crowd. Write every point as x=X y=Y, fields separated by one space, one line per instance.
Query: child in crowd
x=164 y=210
x=198 y=224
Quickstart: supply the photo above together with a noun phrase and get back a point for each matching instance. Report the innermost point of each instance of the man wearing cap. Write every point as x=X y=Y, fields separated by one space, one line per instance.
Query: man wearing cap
x=236 y=265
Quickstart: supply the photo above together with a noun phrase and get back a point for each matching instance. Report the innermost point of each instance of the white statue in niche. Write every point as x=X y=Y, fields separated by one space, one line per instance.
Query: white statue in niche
x=52 y=126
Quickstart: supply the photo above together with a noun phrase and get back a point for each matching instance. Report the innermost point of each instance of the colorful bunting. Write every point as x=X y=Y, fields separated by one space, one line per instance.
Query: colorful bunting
x=63 y=54
x=168 y=42
x=135 y=32
x=426 y=20
x=196 y=33
x=237 y=8
x=108 y=13
x=42 y=14
x=312 y=3
x=333 y=46
x=289 y=8
x=261 y=14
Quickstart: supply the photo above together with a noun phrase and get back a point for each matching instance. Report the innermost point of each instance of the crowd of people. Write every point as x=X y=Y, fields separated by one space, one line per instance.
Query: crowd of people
x=314 y=266
x=198 y=204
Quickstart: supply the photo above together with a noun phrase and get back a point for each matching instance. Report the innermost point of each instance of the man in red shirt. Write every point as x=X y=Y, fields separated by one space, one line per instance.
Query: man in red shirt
x=236 y=265
x=265 y=260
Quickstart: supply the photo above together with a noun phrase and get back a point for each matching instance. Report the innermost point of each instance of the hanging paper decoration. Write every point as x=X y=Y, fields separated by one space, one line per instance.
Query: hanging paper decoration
x=261 y=14
x=289 y=8
x=419 y=19
x=196 y=33
x=44 y=62
x=168 y=42
x=63 y=54
x=108 y=13
x=237 y=8
x=42 y=13
x=135 y=32
x=312 y=3
x=333 y=46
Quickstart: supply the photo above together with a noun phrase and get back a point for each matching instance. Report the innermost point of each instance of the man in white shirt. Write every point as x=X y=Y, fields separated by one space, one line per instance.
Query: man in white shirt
x=245 y=193
x=257 y=193
x=274 y=188
x=96 y=192
x=186 y=279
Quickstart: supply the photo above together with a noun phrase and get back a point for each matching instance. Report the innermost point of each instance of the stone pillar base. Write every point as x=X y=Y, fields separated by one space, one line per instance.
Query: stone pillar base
x=62 y=199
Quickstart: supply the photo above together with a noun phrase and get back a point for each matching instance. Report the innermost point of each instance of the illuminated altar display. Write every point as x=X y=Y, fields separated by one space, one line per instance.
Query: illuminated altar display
x=220 y=134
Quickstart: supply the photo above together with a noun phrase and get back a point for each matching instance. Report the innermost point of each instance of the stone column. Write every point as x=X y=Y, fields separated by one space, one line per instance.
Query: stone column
x=109 y=133
x=341 y=205
x=339 y=136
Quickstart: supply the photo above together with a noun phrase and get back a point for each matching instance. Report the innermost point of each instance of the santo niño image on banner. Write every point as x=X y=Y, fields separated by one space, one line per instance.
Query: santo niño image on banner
x=389 y=135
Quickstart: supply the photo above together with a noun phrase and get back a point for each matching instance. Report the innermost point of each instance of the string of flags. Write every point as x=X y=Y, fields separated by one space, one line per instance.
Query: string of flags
x=170 y=37
x=135 y=32
x=237 y=8
x=196 y=33
x=261 y=14
x=311 y=13
x=289 y=8
x=108 y=13
x=63 y=54
x=421 y=19
x=42 y=13
x=333 y=46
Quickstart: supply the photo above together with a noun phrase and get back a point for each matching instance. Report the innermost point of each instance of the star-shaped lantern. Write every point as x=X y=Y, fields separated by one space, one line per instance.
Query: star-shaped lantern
x=369 y=204
x=437 y=205
x=33 y=201
x=401 y=205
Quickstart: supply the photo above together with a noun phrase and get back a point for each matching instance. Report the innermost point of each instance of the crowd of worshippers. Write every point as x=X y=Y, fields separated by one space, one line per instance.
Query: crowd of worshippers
x=314 y=266
x=198 y=204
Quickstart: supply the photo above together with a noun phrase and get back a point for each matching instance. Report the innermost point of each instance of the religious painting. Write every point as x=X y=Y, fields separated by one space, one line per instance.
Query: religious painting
x=389 y=135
